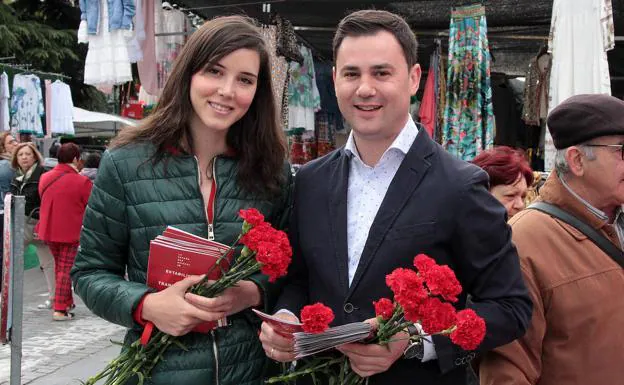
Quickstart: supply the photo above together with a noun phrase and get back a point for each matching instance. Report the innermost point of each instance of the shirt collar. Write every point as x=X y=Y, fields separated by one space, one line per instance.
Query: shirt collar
x=403 y=142
x=597 y=212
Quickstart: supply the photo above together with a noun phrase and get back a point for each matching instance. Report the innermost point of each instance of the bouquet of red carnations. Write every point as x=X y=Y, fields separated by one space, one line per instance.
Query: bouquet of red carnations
x=265 y=250
x=422 y=297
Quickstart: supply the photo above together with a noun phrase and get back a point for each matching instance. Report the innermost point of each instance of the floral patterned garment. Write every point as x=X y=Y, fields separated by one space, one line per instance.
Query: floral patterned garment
x=27 y=105
x=303 y=95
x=469 y=117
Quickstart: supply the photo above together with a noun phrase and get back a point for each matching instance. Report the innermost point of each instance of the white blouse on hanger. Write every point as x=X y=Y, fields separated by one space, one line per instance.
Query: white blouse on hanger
x=62 y=109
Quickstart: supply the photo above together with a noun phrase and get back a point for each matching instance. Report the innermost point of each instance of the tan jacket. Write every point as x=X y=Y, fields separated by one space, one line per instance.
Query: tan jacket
x=576 y=335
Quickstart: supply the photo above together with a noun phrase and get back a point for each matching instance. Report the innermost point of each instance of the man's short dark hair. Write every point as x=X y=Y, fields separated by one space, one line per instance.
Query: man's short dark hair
x=53 y=150
x=92 y=160
x=369 y=22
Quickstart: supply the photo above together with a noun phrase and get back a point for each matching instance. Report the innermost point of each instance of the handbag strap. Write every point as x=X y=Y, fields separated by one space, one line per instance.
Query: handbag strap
x=50 y=184
x=600 y=240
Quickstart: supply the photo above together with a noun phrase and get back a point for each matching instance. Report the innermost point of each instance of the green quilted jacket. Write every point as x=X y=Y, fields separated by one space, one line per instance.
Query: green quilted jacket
x=132 y=202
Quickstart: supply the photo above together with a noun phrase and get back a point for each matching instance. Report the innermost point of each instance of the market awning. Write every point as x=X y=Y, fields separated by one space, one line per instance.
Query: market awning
x=90 y=123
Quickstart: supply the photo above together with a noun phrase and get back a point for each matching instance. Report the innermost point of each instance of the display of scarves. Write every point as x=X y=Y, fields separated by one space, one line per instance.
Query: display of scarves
x=468 y=119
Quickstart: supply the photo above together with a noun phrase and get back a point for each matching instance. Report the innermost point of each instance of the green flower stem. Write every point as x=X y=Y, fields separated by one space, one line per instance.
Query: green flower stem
x=218 y=263
x=312 y=368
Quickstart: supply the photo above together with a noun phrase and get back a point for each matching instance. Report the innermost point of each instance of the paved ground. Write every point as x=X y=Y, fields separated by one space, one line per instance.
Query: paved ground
x=59 y=353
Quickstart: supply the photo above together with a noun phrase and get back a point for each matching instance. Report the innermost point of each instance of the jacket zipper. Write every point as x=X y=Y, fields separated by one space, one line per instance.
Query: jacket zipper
x=216 y=356
x=209 y=206
x=212 y=200
x=209 y=213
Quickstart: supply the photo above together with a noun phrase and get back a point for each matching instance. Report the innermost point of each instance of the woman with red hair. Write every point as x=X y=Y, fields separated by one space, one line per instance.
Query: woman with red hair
x=64 y=195
x=510 y=176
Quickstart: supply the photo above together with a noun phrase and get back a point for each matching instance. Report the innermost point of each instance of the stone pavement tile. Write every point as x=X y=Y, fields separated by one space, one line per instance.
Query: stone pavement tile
x=79 y=370
x=49 y=346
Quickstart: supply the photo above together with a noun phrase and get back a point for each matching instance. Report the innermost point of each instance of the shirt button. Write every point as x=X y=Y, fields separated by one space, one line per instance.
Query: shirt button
x=348 y=308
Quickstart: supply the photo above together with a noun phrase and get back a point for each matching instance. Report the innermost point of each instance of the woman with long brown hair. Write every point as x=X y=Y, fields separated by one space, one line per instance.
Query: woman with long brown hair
x=211 y=147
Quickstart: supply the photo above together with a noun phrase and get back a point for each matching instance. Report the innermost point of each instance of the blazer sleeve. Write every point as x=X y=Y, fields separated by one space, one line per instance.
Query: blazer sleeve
x=488 y=267
x=294 y=295
x=100 y=265
x=520 y=362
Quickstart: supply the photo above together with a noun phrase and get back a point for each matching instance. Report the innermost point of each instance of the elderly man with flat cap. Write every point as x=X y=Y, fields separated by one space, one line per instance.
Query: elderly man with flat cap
x=570 y=246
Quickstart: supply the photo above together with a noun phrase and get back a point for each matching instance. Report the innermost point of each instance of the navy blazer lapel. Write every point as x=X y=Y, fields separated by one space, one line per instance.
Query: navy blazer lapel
x=338 y=184
x=408 y=177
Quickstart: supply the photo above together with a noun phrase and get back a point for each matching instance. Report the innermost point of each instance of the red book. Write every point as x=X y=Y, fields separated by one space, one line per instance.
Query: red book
x=177 y=254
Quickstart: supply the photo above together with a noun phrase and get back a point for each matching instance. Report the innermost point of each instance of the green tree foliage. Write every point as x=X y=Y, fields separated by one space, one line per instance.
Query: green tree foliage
x=43 y=34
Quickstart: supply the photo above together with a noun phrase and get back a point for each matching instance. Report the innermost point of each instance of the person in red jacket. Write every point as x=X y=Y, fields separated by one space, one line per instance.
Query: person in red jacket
x=64 y=194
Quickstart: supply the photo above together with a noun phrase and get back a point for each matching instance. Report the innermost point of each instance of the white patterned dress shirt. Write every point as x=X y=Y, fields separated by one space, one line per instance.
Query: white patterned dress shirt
x=367 y=188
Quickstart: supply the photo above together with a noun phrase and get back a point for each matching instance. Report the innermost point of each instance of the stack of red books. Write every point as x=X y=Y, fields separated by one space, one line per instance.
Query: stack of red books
x=176 y=254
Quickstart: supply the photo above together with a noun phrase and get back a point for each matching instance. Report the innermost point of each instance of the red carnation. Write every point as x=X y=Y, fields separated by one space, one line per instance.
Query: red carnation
x=470 y=330
x=413 y=313
x=281 y=239
x=316 y=318
x=262 y=232
x=441 y=280
x=251 y=216
x=384 y=308
x=422 y=262
x=407 y=287
x=272 y=259
x=437 y=315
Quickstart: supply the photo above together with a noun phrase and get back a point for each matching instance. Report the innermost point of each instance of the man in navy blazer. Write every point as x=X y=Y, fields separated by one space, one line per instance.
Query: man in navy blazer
x=392 y=193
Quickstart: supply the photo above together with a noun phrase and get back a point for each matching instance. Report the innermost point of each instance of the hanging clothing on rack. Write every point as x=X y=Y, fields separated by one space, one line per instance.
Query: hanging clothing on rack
x=440 y=98
x=169 y=46
x=537 y=82
x=580 y=37
x=27 y=105
x=5 y=95
x=469 y=118
x=279 y=66
x=62 y=109
x=48 y=107
x=428 y=111
x=304 y=98
x=285 y=102
x=287 y=40
x=327 y=93
x=135 y=52
x=148 y=70
x=107 y=59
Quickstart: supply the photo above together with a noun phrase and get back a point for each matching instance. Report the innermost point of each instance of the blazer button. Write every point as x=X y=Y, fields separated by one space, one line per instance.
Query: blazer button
x=348 y=308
